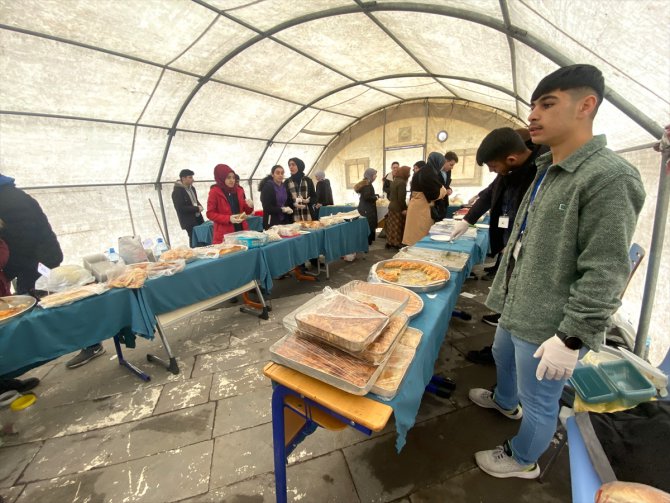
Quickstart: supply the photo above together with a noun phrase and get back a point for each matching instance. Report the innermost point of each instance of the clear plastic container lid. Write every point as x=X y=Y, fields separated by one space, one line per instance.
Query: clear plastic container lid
x=385 y=300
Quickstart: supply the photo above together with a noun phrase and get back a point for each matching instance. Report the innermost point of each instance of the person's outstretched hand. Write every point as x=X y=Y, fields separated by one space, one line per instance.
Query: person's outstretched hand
x=459 y=229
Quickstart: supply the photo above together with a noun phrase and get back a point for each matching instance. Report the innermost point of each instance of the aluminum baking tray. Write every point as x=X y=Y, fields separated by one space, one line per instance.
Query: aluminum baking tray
x=391 y=378
x=326 y=363
x=14 y=306
x=452 y=260
x=429 y=287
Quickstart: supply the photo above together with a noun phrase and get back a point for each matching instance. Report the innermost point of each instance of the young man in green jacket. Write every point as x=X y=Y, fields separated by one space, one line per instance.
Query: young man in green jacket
x=564 y=268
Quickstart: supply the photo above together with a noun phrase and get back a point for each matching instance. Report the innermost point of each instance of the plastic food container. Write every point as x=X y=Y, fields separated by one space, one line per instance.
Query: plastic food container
x=632 y=386
x=387 y=300
x=326 y=363
x=341 y=321
x=250 y=239
x=592 y=385
x=390 y=379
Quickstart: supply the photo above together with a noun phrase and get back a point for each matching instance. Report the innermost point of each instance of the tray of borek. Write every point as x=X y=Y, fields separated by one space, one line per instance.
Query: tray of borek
x=452 y=260
x=414 y=274
x=387 y=384
x=342 y=341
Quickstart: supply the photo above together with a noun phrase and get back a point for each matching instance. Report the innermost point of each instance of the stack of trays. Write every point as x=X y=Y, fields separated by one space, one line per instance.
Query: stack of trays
x=610 y=381
x=344 y=338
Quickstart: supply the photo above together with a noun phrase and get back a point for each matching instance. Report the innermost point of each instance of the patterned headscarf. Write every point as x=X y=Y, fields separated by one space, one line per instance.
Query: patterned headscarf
x=369 y=174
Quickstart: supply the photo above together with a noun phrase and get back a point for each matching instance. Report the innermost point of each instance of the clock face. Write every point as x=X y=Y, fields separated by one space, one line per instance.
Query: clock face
x=442 y=136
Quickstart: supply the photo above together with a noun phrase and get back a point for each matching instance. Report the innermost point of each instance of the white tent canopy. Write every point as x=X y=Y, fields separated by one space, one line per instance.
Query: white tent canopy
x=104 y=101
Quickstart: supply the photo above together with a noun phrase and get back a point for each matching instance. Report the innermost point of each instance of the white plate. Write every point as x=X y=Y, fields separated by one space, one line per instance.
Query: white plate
x=440 y=237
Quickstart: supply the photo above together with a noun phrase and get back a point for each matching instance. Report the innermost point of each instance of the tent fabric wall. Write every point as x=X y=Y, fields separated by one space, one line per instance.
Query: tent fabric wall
x=113 y=96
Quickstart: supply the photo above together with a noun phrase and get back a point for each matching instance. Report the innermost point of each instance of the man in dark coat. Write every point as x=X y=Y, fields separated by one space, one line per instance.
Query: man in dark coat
x=439 y=210
x=185 y=200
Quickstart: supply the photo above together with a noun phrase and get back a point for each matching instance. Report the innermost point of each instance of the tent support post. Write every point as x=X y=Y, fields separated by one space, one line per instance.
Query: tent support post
x=660 y=219
x=159 y=188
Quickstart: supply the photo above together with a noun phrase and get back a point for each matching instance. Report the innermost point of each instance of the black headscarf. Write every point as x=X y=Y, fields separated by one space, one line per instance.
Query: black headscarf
x=297 y=178
x=436 y=160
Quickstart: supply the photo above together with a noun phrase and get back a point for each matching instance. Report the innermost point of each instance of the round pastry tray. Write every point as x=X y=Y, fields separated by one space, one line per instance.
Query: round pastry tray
x=431 y=287
x=24 y=302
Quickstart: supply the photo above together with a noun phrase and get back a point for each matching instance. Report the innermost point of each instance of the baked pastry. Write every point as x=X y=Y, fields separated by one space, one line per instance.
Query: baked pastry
x=324 y=359
x=178 y=253
x=343 y=322
x=231 y=249
x=132 y=277
x=395 y=370
x=411 y=337
x=378 y=350
x=411 y=272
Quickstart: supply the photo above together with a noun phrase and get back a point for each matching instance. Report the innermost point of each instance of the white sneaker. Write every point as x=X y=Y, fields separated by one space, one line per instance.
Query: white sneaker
x=484 y=398
x=500 y=463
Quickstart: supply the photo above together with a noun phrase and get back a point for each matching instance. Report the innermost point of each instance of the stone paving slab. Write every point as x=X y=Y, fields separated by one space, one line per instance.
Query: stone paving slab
x=118 y=444
x=162 y=478
x=243 y=411
x=183 y=394
x=36 y=423
x=10 y=494
x=240 y=356
x=241 y=455
x=436 y=450
x=238 y=381
x=14 y=461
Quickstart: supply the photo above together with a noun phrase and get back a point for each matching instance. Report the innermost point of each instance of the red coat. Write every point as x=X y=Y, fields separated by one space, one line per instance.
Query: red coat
x=219 y=212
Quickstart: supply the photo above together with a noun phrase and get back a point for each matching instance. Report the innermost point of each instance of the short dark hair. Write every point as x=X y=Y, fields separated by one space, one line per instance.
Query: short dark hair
x=185 y=172
x=451 y=156
x=571 y=78
x=498 y=144
x=420 y=164
x=395 y=162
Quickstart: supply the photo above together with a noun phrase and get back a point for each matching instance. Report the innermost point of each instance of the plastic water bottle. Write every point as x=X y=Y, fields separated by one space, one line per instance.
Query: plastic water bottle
x=112 y=255
x=160 y=248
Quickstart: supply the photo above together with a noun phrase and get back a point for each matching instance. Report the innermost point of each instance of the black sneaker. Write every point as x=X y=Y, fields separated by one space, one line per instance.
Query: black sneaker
x=483 y=357
x=491 y=319
x=20 y=385
x=85 y=356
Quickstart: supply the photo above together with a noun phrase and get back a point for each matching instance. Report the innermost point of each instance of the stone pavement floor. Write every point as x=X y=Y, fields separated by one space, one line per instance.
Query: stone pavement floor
x=98 y=434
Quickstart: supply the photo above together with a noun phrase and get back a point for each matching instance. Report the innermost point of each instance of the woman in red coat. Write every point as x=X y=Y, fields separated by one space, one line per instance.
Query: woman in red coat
x=226 y=206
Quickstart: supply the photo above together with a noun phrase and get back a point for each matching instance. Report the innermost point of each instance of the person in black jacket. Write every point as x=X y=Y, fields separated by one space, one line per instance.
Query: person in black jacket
x=439 y=210
x=185 y=200
x=506 y=153
x=367 y=205
x=324 y=194
x=277 y=205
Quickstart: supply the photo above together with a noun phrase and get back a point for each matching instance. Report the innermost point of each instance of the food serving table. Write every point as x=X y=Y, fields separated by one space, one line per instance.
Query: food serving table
x=202 y=234
x=41 y=335
x=201 y=285
x=290 y=399
x=326 y=211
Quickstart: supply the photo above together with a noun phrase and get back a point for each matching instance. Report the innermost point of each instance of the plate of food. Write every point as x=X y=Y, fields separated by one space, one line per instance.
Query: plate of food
x=15 y=305
x=443 y=238
x=416 y=275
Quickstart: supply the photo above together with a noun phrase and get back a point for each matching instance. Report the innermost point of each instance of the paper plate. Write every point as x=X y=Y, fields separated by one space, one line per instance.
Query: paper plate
x=23 y=402
x=440 y=237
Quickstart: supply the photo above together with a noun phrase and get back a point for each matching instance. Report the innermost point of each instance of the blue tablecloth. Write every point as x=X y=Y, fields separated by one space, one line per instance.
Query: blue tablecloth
x=433 y=321
x=202 y=234
x=282 y=256
x=45 y=334
x=324 y=211
x=202 y=280
x=346 y=238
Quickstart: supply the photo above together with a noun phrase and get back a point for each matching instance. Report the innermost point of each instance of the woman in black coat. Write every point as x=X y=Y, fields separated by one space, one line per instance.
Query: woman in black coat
x=277 y=205
x=367 y=205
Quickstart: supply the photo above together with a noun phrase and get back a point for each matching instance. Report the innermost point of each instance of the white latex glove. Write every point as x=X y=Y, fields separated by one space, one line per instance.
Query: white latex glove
x=235 y=219
x=459 y=229
x=287 y=210
x=298 y=199
x=557 y=360
x=300 y=206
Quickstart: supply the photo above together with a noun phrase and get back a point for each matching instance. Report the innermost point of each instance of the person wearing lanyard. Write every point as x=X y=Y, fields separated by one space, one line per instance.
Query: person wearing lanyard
x=564 y=269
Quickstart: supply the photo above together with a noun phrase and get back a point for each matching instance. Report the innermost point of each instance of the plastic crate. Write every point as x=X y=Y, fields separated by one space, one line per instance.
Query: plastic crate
x=592 y=385
x=632 y=386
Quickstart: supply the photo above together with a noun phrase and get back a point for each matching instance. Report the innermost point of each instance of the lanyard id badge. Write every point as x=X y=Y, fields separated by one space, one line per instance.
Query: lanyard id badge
x=503 y=222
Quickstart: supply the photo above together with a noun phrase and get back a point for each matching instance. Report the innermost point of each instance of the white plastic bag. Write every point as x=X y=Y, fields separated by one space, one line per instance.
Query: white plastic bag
x=131 y=250
x=63 y=278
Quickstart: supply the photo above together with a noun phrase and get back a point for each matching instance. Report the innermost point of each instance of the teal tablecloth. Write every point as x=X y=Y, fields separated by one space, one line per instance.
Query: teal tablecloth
x=433 y=321
x=346 y=238
x=44 y=334
x=202 y=280
x=325 y=211
x=202 y=234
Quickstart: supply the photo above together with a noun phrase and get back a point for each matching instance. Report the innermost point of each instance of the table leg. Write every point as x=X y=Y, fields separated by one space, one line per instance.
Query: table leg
x=261 y=306
x=171 y=364
x=278 y=442
x=128 y=365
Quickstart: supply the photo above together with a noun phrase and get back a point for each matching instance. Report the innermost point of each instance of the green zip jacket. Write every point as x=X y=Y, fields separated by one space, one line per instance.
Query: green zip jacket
x=573 y=264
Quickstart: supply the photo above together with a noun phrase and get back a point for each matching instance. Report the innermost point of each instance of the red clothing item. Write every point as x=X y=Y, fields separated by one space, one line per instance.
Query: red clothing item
x=219 y=212
x=4 y=258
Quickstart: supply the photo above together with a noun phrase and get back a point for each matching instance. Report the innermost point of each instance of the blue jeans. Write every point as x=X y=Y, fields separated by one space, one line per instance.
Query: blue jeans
x=515 y=369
